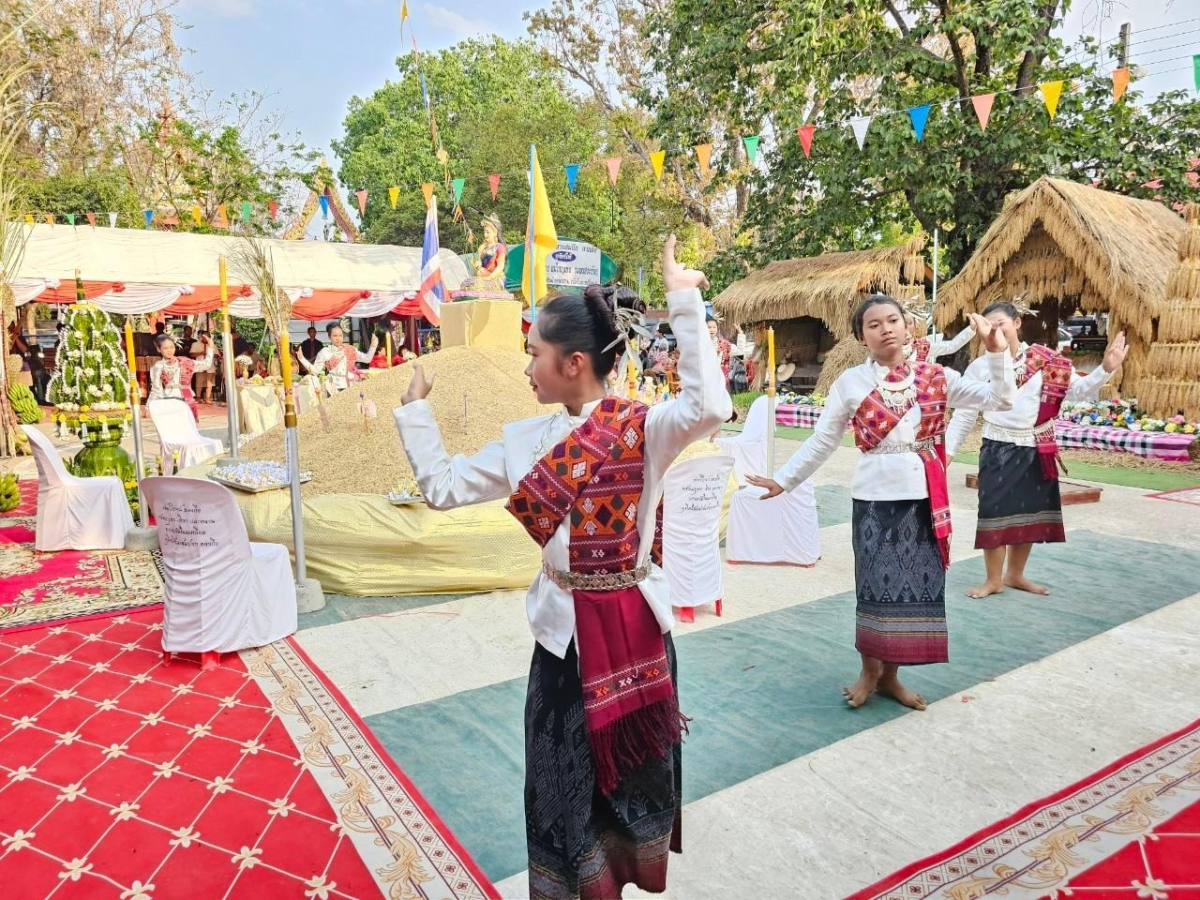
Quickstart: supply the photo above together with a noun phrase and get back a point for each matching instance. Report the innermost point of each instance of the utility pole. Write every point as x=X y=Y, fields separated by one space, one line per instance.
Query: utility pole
x=1123 y=47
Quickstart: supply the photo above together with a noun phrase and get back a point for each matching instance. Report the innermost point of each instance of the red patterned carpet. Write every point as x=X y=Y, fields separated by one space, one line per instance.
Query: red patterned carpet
x=1129 y=832
x=122 y=778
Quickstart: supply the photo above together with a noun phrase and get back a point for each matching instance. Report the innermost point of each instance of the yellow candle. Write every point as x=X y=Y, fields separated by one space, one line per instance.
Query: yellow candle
x=388 y=348
x=224 y=291
x=135 y=393
x=285 y=360
x=771 y=356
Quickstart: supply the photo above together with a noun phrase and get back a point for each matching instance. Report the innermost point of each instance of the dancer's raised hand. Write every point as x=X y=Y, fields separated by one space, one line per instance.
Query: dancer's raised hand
x=772 y=487
x=675 y=276
x=994 y=338
x=419 y=387
x=1115 y=354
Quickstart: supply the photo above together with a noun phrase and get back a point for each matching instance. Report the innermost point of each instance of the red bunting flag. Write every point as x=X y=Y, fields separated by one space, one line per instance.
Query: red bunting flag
x=983 y=109
x=494 y=181
x=614 y=168
x=805 y=133
x=91 y=219
x=273 y=209
x=362 y=202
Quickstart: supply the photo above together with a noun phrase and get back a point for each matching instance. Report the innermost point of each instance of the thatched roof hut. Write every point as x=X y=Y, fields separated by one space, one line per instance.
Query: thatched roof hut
x=1172 y=378
x=826 y=287
x=1066 y=245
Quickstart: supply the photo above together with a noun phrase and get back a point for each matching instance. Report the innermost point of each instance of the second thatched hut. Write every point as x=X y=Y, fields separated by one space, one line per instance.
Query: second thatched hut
x=811 y=301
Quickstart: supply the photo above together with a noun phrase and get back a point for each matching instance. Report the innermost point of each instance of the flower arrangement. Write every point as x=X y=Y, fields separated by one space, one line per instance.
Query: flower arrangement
x=794 y=399
x=1122 y=412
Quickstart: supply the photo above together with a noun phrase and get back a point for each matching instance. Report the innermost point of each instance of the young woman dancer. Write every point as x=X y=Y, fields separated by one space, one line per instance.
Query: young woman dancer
x=586 y=483
x=1019 y=500
x=901 y=522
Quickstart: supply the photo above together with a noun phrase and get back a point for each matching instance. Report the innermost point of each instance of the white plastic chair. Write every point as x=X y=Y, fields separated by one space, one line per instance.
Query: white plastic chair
x=694 y=492
x=749 y=446
x=780 y=531
x=177 y=433
x=223 y=593
x=76 y=513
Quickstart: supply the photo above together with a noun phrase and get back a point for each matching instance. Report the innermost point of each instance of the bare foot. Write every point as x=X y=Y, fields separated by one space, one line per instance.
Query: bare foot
x=1024 y=584
x=860 y=692
x=891 y=687
x=985 y=590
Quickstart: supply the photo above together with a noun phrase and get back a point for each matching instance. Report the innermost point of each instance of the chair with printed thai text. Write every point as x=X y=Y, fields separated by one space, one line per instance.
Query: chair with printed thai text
x=76 y=513
x=177 y=434
x=694 y=493
x=222 y=593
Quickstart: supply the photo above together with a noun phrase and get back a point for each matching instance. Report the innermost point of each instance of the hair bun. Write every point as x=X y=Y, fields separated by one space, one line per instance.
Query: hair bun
x=600 y=303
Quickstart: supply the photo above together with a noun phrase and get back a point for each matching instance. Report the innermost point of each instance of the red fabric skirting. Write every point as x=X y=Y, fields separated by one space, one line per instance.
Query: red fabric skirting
x=987 y=538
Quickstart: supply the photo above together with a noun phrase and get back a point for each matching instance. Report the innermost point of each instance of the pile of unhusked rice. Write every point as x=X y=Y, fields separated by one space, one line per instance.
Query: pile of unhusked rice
x=476 y=391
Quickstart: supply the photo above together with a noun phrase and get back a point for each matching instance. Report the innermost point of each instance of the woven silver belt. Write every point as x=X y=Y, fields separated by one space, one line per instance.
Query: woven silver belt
x=596 y=581
x=1022 y=437
x=914 y=447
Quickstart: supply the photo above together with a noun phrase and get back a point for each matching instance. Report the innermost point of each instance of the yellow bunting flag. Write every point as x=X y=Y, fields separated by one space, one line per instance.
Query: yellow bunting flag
x=427 y=190
x=196 y=215
x=1120 y=82
x=1051 y=91
x=28 y=219
x=657 y=158
x=403 y=11
x=703 y=156
x=393 y=195
x=541 y=238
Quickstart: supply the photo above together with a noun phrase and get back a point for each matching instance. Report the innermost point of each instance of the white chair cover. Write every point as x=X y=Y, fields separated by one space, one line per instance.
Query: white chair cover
x=694 y=492
x=76 y=513
x=749 y=446
x=222 y=592
x=177 y=432
x=783 y=530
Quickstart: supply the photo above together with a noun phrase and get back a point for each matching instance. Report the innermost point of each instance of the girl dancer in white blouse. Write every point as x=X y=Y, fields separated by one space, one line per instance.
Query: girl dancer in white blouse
x=901 y=524
x=586 y=482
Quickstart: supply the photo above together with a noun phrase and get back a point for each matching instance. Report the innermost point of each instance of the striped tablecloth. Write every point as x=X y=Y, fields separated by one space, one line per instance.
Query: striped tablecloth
x=1150 y=444
x=795 y=416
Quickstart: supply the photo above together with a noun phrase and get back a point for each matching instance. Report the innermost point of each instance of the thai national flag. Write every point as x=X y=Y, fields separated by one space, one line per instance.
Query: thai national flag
x=432 y=293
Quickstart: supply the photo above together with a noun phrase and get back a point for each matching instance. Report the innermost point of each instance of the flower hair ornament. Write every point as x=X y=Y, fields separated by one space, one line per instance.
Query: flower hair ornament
x=1021 y=304
x=630 y=325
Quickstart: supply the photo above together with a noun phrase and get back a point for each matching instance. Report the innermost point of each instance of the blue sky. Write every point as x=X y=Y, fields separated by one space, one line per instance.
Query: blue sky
x=311 y=56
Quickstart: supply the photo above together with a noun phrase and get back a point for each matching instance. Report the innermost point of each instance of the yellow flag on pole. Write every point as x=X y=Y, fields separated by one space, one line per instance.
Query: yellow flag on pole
x=657 y=158
x=1051 y=91
x=403 y=11
x=540 y=236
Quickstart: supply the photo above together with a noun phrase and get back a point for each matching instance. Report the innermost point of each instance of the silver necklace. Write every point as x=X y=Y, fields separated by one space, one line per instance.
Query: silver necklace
x=542 y=447
x=898 y=395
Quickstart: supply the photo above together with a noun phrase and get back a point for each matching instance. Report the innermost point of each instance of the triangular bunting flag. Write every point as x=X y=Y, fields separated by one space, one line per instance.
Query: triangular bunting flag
x=1051 y=91
x=494 y=183
x=751 y=144
x=614 y=169
x=28 y=219
x=393 y=196
x=427 y=190
x=805 y=133
x=983 y=109
x=324 y=206
x=457 y=185
x=196 y=214
x=919 y=116
x=657 y=158
x=222 y=219
x=572 y=170
x=273 y=209
x=1120 y=82
x=703 y=156
x=149 y=217
x=362 y=202
x=403 y=11
x=112 y=220
x=859 y=126
x=71 y=219
x=91 y=217
x=247 y=209
x=49 y=219
x=1196 y=69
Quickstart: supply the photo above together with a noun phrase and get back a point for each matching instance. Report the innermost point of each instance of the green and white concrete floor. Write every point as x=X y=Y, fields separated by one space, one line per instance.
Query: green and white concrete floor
x=788 y=792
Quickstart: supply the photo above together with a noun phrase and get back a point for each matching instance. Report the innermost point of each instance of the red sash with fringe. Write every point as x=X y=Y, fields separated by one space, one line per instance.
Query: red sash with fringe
x=1056 y=372
x=596 y=477
x=874 y=420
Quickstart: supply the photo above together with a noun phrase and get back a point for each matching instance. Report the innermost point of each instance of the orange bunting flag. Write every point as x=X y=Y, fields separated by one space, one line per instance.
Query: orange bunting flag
x=1120 y=82
x=494 y=184
x=222 y=219
x=983 y=109
x=703 y=156
x=657 y=158
x=91 y=217
x=427 y=190
x=805 y=133
x=614 y=168
x=393 y=196
x=196 y=214
x=49 y=219
x=362 y=202
x=1051 y=91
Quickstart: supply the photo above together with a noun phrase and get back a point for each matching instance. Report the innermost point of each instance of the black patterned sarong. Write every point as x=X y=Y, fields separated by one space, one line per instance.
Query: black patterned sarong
x=900 y=583
x=582 y=843
x=1017 y=503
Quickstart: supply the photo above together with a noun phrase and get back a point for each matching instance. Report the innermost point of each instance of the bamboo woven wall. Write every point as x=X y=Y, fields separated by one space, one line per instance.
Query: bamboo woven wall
x=1170 y=382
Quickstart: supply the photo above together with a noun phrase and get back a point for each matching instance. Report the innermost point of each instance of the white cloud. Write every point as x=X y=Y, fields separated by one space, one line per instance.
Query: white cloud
x=443 y=19
x=229 y=9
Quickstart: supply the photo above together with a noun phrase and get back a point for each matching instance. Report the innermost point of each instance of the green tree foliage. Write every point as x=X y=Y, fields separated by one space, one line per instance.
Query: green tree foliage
x=773 y=65
x=80 y=194
x=492 y=98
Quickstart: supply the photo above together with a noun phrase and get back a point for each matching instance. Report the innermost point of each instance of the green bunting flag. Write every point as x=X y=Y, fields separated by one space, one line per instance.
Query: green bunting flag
x=751 y=142
x=458 y=184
